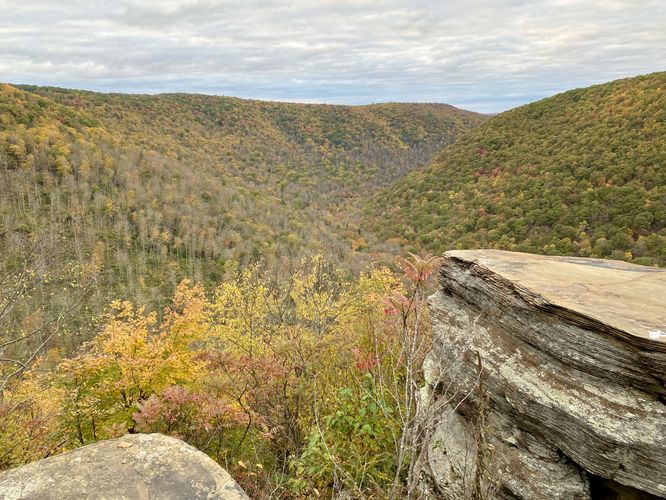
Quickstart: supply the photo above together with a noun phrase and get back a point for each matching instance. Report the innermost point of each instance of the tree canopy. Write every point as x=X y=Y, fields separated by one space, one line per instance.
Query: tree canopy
x=581 y=173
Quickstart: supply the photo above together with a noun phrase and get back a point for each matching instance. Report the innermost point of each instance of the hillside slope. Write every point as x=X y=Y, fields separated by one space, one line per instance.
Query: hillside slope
x=138 y=192
x=581 y=173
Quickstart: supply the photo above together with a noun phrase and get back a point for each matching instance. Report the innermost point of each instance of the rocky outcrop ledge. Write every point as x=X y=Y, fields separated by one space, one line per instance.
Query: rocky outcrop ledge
x=557 y=366
x=133 y=467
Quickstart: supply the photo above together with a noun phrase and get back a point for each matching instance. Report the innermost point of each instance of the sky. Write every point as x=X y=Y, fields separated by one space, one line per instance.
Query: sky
x=483 y=55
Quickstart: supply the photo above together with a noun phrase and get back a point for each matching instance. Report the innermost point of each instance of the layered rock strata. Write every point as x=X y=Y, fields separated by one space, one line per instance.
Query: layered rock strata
x=553 y=374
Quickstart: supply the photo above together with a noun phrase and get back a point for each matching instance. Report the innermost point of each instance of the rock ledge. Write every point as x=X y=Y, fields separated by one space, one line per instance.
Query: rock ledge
x=574 y=370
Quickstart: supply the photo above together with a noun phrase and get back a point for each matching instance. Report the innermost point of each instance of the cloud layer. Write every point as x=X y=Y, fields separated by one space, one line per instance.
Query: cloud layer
x=486 y=55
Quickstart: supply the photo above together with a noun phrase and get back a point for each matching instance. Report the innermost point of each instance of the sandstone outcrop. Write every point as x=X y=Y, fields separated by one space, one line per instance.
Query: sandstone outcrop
x=133 y=467
x=557 y=366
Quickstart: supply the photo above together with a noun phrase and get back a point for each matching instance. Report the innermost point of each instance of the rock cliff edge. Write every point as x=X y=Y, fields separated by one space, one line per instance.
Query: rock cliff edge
x=559 y=365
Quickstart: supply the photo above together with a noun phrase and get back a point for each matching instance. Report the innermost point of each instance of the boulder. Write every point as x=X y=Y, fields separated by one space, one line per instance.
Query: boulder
x=133 y=467
x=548 y=376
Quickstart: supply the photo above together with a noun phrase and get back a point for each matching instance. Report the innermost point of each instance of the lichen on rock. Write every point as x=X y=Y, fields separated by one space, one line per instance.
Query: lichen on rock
x=574 y=381
x=133 y=467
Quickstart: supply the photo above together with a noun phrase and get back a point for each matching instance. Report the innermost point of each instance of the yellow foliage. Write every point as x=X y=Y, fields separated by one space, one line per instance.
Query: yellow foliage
x=29 y=421
x=256 y=367
x=134 y=357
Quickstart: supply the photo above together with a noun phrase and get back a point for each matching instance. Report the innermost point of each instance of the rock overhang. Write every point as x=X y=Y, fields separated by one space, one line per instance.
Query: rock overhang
x=569 y=365
x=628 y=297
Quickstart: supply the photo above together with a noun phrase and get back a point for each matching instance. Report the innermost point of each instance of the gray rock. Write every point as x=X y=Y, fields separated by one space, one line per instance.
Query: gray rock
x=574 y=370
x=133 y=467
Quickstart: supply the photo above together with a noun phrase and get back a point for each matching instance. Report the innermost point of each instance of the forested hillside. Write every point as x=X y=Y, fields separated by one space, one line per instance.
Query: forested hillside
x=200 y=266
x=581 y=173
x=269 y=342
x=126 y=195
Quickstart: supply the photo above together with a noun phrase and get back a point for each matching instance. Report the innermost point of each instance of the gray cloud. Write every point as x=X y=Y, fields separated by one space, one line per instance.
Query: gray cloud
x=486 y=55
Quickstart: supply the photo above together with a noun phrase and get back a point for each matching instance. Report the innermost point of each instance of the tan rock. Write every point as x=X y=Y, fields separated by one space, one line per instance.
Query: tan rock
x=573 y=369
x=133 y=467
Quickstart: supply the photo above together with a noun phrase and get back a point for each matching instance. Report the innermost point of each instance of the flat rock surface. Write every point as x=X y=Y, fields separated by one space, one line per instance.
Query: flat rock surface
x=136 y=467
x=625 y=296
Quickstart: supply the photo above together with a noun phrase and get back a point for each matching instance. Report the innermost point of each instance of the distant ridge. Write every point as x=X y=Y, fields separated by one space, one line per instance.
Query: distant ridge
x=143 y=191
x=581 y=173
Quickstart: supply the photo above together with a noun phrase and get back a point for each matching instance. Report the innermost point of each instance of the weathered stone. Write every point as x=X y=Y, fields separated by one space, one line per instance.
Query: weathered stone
x=574 y=368
x=133 y=467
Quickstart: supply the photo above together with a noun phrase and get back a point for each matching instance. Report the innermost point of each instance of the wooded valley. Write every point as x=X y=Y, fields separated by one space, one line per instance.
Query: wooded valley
x=237 y=273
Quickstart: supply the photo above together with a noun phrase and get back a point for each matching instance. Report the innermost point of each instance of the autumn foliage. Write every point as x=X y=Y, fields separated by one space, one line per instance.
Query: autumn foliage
x=294 y=383
x=580 y=173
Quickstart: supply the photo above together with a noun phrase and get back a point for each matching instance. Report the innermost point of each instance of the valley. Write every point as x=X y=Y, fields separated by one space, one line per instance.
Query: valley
x=252 y=277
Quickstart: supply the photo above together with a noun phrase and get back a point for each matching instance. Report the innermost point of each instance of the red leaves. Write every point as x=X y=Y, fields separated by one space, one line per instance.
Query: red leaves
x=390 y=308
x=365 y=362
x=184 y=413
x=417 y=269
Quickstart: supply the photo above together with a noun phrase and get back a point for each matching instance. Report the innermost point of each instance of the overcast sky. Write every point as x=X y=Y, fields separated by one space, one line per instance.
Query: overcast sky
x=485 y=55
